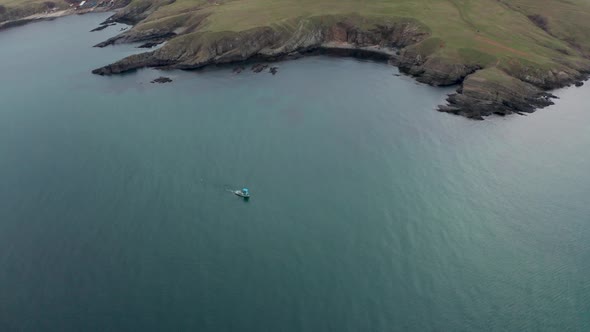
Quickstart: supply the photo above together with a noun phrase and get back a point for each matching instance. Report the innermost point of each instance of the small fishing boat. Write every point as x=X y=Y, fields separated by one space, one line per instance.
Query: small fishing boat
x=245 y=193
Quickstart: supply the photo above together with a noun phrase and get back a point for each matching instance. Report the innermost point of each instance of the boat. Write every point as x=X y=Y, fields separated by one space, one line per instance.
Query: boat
x=245 y=193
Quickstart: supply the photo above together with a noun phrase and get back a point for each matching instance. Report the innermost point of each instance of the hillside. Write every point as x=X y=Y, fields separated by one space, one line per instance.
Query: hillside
x=17 y=9
x=19 y=12
x=505 y=53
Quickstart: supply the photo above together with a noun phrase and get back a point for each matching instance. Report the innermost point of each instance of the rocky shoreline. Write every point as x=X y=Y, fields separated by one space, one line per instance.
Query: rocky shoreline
x=53 y=11
x=34 y=18
x=405 y=43
x=266 y=44
x=482 y=91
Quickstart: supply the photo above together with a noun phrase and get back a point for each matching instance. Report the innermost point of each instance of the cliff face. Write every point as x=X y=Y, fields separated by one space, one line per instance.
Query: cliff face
x=381 y=38
x=433 y=70
x=199 y=49
x=492 y=91
x=495 y=77
x=135 y=12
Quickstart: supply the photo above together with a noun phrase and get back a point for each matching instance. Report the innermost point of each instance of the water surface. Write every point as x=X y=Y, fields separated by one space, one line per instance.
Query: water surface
x=370 y=211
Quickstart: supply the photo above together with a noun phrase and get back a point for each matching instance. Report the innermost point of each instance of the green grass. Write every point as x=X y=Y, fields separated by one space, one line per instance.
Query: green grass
x=477 y=31
x=486 y=32
x=15 y=9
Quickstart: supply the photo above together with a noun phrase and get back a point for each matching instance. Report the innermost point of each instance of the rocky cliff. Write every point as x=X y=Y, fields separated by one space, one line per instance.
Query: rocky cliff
x=382 y=37
x=493 y=78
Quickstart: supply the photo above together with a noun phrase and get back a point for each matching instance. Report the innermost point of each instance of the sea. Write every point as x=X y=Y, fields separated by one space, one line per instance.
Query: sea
x=370 y=210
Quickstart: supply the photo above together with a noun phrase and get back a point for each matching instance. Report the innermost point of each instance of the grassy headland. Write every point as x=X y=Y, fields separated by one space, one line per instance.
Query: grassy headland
x=528 y=45
x=18 y=12
x=16 y=9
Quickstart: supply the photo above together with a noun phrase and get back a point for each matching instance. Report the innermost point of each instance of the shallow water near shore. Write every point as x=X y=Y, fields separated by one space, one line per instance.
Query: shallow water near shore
x=370 y=210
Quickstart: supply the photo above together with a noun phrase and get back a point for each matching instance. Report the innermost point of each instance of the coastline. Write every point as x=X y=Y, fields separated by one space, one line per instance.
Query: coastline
x=115 y=204
x=484 y=88
x=482 y=91
x=61 y=10
x=36 y=17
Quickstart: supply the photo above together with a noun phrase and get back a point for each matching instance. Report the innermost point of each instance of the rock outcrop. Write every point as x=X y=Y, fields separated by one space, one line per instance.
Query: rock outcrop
x=150 y=44
x=204 y=48
x=133 y=13
x=162 y=79
x=433 y=70
x=485 y=87
x=491 y=91
x=102 y=27
x=257 y=68
x=154 y=36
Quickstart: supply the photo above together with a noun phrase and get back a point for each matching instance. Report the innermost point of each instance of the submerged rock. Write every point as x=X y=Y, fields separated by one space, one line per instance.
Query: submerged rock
x=257 y=68
x=273 y=70
x=162 y=79
x=102 y=27
x=293 y=56
x=238 y=69
x=579 y=84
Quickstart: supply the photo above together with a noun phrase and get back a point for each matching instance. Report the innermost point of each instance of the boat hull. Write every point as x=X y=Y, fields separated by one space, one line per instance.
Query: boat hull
x=240 y=194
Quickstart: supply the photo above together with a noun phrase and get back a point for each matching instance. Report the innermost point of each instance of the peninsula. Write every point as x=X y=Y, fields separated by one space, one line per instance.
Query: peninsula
x=505 y=55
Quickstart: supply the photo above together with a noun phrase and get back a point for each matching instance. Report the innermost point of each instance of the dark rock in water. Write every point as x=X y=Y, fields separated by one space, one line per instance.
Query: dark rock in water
x=238 y=69
x=293 y=56
x=133 y=62
x=579 y=84
x=257 y=68
x=398 y=75
x=149 y=45
x=162 y=79
x=102 y=27
x=123 y=29
x=273 y=70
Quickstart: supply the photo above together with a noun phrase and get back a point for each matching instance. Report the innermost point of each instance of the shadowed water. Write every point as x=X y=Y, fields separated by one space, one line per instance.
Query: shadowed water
x=370 y=211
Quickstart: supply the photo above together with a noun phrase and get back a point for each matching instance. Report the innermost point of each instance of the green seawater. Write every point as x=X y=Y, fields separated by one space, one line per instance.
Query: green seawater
x=370 y=210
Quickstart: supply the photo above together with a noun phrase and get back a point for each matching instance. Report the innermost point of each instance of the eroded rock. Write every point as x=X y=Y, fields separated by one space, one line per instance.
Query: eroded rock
x=102 y=27
x=492 y=91
x=150 y=44
x=257 y=68
x=162 y=79
x=515 y=88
